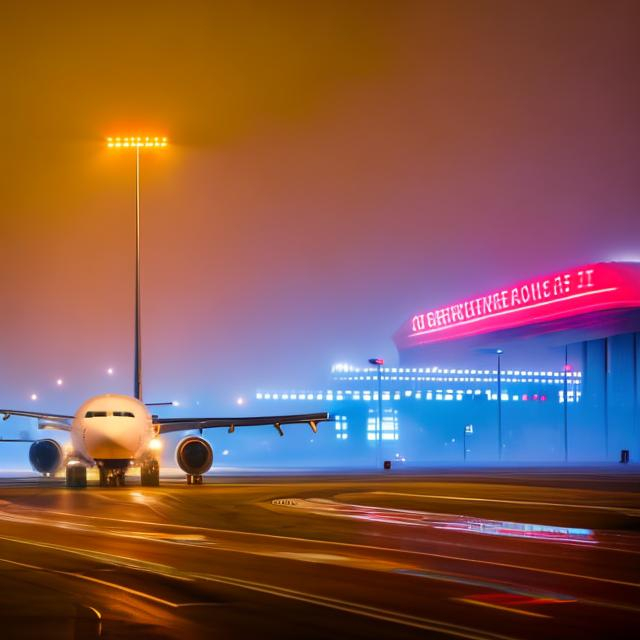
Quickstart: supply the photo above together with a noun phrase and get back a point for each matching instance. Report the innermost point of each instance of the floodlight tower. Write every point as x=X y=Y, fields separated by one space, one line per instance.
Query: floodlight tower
x=137 y=143
x=379 y=362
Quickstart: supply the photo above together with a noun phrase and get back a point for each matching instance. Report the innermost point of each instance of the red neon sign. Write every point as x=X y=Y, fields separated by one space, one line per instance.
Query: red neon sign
x=603 y=286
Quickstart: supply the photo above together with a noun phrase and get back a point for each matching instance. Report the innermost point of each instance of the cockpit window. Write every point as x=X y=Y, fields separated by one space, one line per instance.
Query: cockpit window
x=123 y=414
x=95 y=414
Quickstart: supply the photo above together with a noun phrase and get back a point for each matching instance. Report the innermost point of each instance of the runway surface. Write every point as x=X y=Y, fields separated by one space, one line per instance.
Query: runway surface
x=483 y=554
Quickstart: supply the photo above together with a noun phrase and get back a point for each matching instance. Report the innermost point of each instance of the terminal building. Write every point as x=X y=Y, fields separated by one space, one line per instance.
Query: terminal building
x=545 y=370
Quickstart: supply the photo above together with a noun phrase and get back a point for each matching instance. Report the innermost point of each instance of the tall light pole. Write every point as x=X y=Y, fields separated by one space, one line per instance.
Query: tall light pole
x=567 y=368
x=378 y=362
x=137 y=143
x=499 y=353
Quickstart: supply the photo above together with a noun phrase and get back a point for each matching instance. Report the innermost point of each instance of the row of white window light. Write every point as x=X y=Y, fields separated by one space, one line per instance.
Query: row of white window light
x=493 y=377
x=448 y=394
x=386 y=371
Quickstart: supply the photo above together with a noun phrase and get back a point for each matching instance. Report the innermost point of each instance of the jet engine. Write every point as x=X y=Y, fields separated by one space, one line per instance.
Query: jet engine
x=194 y=455
x=46 y=456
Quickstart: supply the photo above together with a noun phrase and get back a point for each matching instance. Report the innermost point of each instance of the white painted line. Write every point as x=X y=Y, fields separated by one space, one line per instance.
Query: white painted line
x=625 y=510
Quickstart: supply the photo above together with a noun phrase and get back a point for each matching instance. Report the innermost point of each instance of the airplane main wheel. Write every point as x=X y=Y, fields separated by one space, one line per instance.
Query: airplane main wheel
x=150 y=474
x=76 y=476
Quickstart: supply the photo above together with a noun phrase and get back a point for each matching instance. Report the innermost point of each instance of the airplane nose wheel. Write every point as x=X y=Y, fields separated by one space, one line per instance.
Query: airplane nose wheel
x=112 y=477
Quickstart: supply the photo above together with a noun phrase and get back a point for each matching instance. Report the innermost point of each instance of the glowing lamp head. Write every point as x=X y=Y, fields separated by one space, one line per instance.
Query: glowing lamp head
x=34 y=396
x=59 y=382
x=137 y=142
x=155 y=445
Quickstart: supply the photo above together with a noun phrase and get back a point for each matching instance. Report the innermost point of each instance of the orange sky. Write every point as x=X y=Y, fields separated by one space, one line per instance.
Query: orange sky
x=334 y=166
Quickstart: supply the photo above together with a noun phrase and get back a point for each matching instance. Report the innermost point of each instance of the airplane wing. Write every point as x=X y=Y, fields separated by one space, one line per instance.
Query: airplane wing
x=169 y=425
x=45 y=420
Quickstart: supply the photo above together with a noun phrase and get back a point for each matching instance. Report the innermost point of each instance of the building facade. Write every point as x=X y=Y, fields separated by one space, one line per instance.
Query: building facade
x=546 y=370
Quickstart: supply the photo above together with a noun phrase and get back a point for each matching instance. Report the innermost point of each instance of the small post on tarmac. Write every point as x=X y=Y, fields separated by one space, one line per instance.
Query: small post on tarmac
x=468 y=429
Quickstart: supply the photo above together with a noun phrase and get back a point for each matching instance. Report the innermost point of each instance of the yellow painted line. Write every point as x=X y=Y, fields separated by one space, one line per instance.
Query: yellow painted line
x=112 y=585
x=119 y=587
x=23 y=564
x=311 y=541
x=521 y=612
x=107 y=558
x=98 y=614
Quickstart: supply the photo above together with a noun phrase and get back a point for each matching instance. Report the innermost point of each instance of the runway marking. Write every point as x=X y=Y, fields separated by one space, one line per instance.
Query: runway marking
x=427 y=554
x=359 y=609
x=342 y=605
x=504 y=587
x=98 y=614
x=119 y=587
x=98 y=617
x=627 y=511
x=490 y=605
x=105 y=583
x=107 y=558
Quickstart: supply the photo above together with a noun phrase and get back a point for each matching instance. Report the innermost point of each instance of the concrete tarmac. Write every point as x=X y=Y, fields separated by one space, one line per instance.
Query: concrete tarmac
x=487 y=553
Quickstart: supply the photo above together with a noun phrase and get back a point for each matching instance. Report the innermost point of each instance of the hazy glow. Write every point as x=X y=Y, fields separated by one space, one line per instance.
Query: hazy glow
x=155 y=444
x=306 y=205
x=59 y=382
x=34 y=396
x=110 y=371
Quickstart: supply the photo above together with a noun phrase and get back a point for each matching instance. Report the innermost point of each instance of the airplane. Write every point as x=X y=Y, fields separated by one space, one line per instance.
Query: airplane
x=115 y=432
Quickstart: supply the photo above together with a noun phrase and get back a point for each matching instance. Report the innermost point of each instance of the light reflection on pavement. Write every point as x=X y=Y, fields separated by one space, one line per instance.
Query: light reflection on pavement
x=442 y=521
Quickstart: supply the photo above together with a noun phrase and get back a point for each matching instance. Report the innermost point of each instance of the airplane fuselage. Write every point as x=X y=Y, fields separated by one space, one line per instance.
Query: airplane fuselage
x=112 y=430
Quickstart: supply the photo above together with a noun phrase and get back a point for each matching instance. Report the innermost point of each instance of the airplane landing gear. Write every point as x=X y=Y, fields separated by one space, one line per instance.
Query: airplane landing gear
x=112 y=477
x=194 y=479
x=150 y=473
x=76 y=476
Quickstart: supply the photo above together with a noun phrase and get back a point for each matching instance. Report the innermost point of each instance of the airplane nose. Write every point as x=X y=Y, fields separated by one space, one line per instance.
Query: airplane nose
x=106 y=440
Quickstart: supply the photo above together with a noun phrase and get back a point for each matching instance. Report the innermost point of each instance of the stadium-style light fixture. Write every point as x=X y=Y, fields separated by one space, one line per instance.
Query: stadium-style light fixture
x=137 y=143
